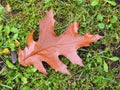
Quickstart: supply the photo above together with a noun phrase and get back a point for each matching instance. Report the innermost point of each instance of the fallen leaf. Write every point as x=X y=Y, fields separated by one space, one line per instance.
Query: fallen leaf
x=1 y=52
x=49 y=46
x=6 y=51
x=8 y=8
x=14 y=56
x=17 y=43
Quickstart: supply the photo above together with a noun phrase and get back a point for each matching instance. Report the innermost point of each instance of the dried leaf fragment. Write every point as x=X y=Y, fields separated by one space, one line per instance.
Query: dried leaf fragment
x=8 y=8
x=49 y=46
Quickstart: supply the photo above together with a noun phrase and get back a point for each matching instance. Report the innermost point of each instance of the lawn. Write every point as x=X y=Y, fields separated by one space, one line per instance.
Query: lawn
x=101 y=59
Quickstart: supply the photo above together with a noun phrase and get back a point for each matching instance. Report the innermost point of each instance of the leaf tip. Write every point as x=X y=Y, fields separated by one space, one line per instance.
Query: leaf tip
x=30 y=38
x=49 y=15
x=97 y=37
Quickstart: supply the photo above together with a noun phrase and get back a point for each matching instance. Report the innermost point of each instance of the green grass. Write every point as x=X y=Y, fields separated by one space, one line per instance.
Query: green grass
x=99 y=17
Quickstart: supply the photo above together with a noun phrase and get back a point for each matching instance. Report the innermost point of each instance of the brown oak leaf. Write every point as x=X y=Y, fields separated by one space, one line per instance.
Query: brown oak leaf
x=49 y=46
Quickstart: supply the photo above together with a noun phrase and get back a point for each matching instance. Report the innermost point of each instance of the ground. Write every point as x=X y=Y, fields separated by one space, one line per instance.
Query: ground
x=101 y=59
